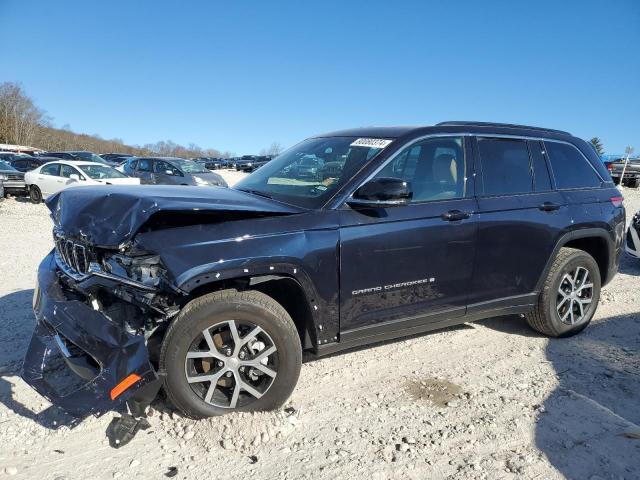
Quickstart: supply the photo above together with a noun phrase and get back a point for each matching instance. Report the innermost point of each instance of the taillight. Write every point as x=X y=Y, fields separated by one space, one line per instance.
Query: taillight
x=610 y=167
x=617 y=201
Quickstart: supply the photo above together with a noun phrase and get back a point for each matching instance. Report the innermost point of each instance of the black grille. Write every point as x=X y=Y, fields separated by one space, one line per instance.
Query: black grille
x=14 y=176
x=75 y=256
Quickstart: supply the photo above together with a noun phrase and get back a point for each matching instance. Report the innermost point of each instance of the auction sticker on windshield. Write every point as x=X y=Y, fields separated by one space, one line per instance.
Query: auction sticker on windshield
x=371 y=142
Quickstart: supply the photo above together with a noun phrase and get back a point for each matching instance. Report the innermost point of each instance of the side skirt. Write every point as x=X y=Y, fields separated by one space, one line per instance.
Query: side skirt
x=425 y=323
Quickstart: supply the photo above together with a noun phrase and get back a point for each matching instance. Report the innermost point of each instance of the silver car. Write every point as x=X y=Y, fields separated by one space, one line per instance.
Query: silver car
x=171 y=171
x=12 y=179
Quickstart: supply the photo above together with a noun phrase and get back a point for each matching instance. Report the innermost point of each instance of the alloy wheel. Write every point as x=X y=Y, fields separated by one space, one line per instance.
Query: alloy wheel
x=575 y=294
x=231 y=364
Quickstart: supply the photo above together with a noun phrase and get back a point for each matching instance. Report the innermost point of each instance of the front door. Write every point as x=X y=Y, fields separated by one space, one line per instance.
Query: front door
x=144 y=171
x=409 y=265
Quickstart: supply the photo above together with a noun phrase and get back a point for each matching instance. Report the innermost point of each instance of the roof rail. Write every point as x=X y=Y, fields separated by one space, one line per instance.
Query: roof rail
x=505 y=125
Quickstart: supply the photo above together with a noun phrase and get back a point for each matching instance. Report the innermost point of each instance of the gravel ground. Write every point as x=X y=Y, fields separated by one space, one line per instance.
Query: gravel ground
x=485 y=400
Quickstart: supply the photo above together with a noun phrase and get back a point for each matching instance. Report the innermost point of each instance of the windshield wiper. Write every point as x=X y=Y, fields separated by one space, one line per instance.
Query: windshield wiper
x=256 y=192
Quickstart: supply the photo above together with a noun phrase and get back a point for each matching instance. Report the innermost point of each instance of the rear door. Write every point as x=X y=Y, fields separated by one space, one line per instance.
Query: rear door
x=410 y=265
x=521 y=216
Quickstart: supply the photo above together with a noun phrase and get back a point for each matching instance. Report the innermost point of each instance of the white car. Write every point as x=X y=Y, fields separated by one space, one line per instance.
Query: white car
x=52 y=177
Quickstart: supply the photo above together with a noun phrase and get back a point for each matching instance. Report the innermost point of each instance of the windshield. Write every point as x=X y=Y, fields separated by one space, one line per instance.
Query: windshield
x=189 y=166
x=5 y=166
x=308 y=174
x=100 y=172
x=89 y=157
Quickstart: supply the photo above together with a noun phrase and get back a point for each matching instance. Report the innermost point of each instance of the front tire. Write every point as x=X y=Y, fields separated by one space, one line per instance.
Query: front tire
x=569 y=297
x=35 y=195
x=230 y=351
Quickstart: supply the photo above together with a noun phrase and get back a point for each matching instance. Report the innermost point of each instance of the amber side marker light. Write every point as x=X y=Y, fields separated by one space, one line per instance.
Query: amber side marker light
x=129 y=381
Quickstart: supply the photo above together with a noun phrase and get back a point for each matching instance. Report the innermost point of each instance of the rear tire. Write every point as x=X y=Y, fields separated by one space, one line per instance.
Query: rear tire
x=200 y=343
x=35 y=195
x=569 y=297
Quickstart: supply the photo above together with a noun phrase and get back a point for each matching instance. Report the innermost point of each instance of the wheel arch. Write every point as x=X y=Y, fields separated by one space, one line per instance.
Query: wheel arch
x=596 y=242
x=285 y=289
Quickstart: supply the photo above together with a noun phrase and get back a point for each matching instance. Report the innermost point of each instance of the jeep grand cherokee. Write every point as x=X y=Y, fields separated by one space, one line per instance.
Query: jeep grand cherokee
x=214 y=294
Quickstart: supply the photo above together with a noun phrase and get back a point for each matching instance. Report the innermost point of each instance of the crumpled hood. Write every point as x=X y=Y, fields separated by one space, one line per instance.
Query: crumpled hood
x=107 y=216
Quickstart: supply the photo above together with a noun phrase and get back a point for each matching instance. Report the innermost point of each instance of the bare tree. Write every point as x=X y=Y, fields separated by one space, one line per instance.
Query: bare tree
x=19 y=117
x=23 y=123
x=274 y=150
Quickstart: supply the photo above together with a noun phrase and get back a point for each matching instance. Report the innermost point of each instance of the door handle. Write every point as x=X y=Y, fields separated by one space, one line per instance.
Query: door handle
x=548 y=207
x=455 y=215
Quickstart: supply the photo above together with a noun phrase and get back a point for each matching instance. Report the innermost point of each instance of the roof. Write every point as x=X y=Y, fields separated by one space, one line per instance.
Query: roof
x=449 y=126
x=375 y=132
x=75 y=163
x=151 y=157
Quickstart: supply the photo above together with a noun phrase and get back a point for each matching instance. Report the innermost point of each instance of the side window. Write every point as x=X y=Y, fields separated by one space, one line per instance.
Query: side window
x=66 y=171
x=435 y=168
x=53 y=169
x=570 y=168
x=162 y=167
x=145 y=165
x=541 y=178
x=133 y=164
x=506 y=169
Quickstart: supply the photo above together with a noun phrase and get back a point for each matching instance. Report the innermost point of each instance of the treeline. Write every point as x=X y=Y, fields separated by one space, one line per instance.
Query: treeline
x=22 y=122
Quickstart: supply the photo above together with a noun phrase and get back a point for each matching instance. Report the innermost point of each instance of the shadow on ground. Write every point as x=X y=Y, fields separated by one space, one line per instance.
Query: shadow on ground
x=587 y=424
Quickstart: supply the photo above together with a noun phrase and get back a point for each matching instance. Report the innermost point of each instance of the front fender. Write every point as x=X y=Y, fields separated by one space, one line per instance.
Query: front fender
x=197 y=256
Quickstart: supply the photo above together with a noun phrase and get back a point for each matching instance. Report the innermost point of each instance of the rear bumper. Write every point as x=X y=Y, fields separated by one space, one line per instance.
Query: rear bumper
x=96 y=353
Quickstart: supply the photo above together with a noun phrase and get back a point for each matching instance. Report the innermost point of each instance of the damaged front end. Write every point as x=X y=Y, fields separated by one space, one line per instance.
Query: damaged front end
x=100 y=318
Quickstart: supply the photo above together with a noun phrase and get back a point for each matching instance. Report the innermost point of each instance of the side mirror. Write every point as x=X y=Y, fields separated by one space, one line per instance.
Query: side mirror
x=382 y=192
x=169 y=172
x=75 y=177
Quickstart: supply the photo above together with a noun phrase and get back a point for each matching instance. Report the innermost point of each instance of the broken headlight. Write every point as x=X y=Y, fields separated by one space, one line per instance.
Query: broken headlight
x=146 y=269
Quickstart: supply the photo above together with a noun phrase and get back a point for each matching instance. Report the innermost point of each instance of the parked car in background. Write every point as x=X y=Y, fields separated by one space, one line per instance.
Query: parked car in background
x=632 y=244
x=9 y=156
x=215 y=296
x=24 y=164
x=59 y=175
x=245 y=163
x=171 y=171
x=116 y=158
x=631 y=172
x=78 y=155
x=212 y=163
x=249 y=163
x=260 y=161
x=12 y=179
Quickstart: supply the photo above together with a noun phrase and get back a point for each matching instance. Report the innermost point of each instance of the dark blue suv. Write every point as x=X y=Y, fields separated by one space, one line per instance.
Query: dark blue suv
x=215 y=294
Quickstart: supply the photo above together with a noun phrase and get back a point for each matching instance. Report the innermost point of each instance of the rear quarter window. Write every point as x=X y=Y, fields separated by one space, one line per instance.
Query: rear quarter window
x=570 y=168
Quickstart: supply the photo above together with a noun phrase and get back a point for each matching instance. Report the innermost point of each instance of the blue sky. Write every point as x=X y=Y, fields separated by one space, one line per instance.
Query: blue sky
x=238 y=76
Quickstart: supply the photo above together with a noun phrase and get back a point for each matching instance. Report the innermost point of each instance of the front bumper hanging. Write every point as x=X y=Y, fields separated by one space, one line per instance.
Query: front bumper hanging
x=103 y=365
